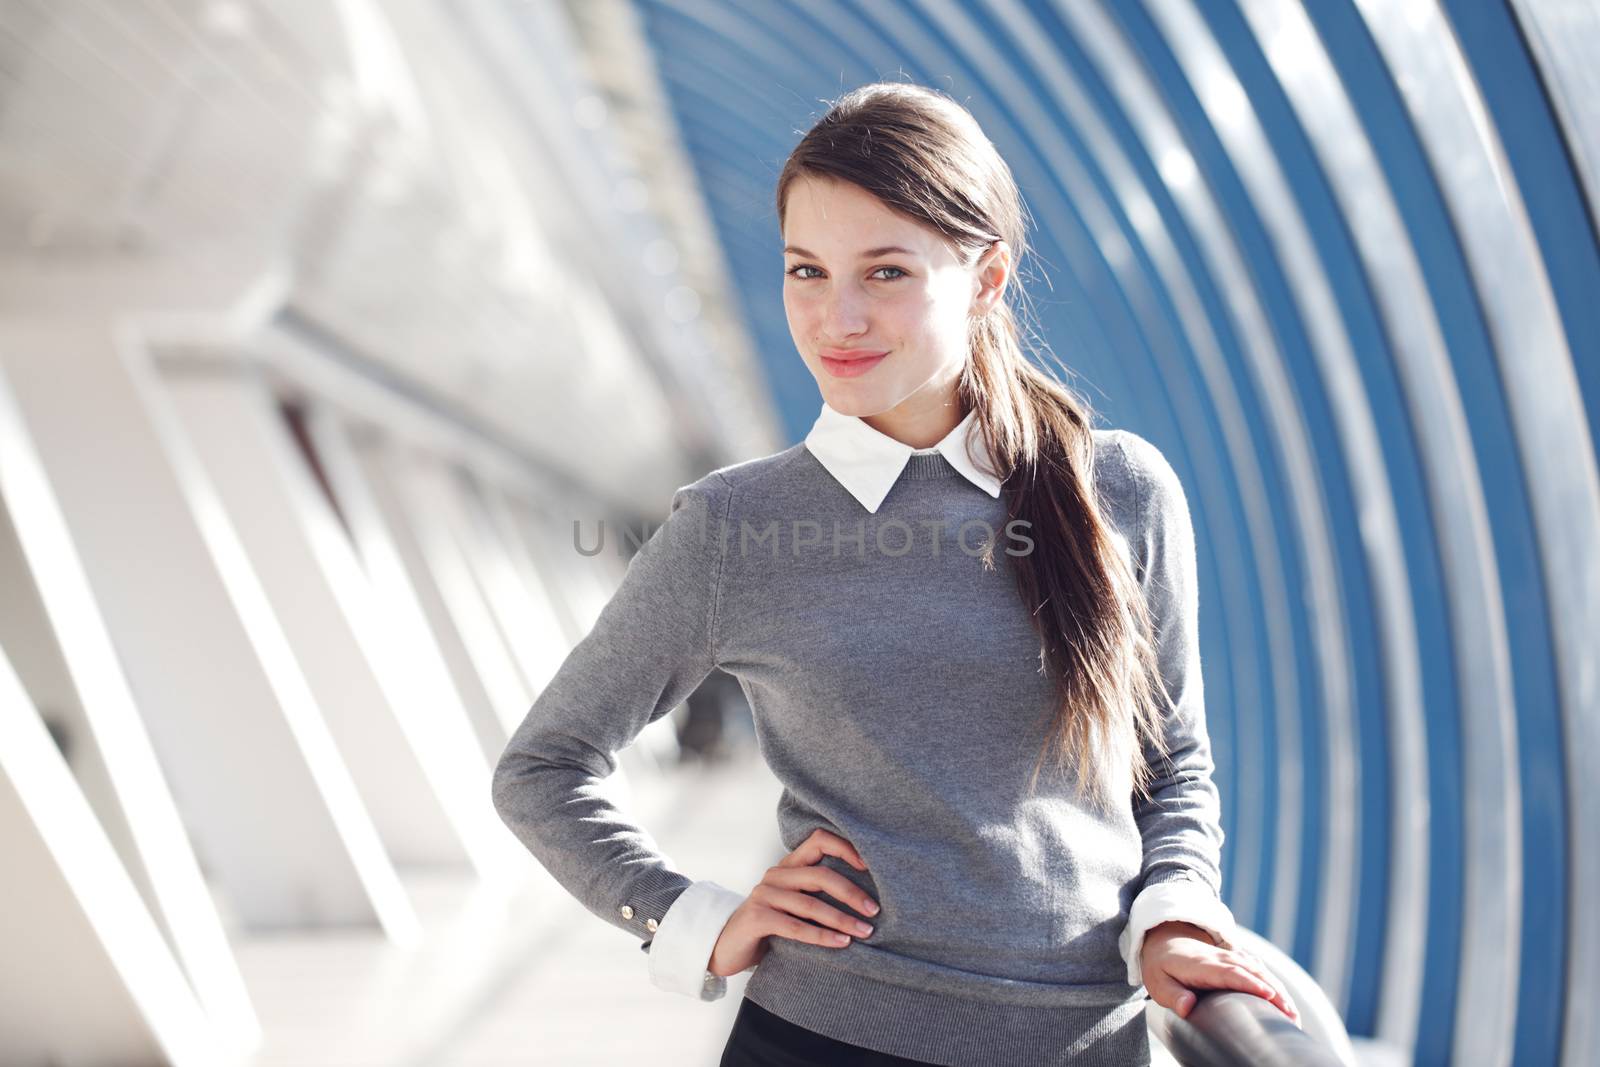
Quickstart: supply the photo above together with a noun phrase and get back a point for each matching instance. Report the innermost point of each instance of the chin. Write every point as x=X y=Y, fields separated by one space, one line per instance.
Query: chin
x=857 y=402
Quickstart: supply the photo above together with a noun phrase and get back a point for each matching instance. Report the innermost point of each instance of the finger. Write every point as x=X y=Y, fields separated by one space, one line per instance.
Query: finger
x=1168 y=992
x=822 y=843
x=1222 y=974
x=847 y=851
x=811 y=908
x=1255 y=968
x=853 y=857
x=831 y=882
x=1282 y=999
x=1253 y=981
x=782 y=924
x=1233 y=970
x=1264 y=988
x=1280 y=994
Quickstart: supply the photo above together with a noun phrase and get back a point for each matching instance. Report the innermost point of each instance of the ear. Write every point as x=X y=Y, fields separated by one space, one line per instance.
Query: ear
x=992 y=273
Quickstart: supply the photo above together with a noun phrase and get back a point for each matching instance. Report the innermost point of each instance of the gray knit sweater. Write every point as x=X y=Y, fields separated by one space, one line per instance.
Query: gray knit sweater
x=897 y=696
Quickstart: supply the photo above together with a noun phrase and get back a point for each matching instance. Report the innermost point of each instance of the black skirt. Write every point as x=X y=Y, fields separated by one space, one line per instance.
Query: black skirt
x=762 y=1039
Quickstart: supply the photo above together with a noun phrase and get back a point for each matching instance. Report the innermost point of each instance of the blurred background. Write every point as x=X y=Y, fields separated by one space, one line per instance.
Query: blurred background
x=322 y=322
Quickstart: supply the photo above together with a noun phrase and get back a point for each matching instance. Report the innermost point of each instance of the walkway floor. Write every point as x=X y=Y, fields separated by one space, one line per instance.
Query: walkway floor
x=536 y=980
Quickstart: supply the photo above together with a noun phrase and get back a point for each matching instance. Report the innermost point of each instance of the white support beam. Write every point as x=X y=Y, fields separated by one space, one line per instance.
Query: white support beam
x=386 y=692
x=406 y=763
x=586 y=581
x=269 y=805
x=499 y=520
x=87 y=979
x=451 y=572
x=492 y=599
x=66 y=658
x=527 y=625
x=357 y=471
x=377 y=545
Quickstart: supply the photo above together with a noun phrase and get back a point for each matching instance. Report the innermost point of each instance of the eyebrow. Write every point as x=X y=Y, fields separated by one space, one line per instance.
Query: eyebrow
x=886 y=250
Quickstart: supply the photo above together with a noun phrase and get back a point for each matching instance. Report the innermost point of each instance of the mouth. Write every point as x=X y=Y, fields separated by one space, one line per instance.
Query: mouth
x=850 y=363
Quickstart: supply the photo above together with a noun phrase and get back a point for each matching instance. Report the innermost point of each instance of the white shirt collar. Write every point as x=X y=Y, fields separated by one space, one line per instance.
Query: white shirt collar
x=868 y=463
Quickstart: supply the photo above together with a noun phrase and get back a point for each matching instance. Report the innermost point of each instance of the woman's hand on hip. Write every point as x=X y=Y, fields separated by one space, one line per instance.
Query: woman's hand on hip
x=1178 y=958
x=779 y=906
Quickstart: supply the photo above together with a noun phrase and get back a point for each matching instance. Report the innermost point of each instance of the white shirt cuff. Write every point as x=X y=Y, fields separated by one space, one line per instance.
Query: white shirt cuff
x=1182 y=900
x=681 y=950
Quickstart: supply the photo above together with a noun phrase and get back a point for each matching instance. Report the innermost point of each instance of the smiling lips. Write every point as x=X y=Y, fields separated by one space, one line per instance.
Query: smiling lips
x=850 y=362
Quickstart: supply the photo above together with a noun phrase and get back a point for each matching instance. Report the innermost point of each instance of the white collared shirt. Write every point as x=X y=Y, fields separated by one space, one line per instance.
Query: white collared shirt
x=868 y=463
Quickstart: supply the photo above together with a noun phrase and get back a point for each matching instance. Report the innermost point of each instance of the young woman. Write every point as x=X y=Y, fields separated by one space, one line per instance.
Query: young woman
x=966 y=623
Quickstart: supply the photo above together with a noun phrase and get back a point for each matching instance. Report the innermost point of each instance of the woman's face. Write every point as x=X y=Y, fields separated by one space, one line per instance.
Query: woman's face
x=878 y=304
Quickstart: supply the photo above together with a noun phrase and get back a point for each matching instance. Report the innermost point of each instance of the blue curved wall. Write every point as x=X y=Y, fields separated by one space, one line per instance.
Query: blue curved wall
x=1339 y=263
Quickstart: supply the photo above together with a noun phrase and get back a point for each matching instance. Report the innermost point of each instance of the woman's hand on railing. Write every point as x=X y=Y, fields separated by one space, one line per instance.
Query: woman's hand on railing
x=781 y=903
x=1178 y=958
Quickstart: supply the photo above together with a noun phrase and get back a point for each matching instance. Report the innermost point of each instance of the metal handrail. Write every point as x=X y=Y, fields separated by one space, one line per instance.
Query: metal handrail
x=1229 y=1027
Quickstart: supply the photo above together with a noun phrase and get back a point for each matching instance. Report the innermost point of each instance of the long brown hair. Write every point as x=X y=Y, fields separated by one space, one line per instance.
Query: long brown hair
x=923 y=155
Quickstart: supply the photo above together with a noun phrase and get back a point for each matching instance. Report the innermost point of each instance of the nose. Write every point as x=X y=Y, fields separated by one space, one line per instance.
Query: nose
x=844 y=312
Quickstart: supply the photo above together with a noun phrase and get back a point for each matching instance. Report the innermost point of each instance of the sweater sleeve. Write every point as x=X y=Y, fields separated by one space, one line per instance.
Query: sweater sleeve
x=652 y=644
x=1181 y=822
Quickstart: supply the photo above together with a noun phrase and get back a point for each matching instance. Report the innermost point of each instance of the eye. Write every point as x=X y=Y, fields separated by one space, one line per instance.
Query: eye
x=898 y=273
x=797 y=268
